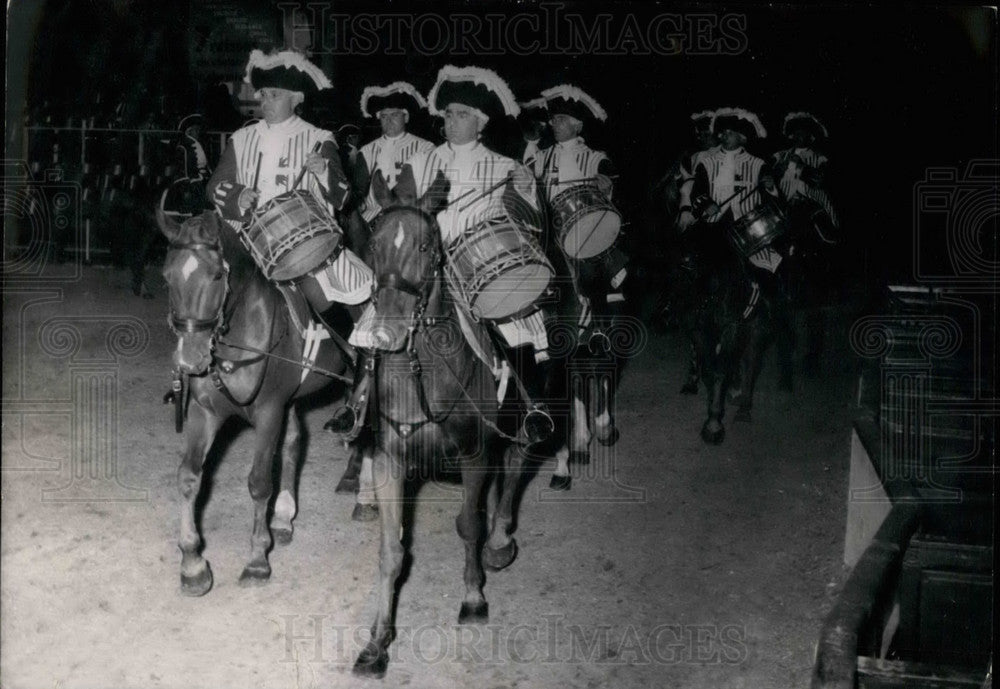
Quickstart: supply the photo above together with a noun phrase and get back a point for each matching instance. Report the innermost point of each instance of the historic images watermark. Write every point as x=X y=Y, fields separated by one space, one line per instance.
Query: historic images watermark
x=933 y=404
x=61 y=375
x=315 y=639
x=550 y=28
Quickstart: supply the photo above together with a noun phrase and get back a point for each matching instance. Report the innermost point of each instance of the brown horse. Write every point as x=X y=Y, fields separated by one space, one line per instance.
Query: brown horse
x=435 y=399
x=237 y=346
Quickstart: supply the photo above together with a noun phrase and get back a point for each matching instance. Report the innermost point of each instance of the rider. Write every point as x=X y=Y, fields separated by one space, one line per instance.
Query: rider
x=394 y=106
x=491 y=186
x=801 y=169
x=267 y=158
x=705 y=144
x=571 y=163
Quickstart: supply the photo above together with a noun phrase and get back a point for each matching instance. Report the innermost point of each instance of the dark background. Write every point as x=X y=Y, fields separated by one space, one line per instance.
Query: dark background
x=900 y=90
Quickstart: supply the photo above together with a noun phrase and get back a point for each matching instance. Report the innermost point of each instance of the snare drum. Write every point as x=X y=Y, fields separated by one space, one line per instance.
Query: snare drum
x=291 y=236
x=757 y=229
x=584 y=221
x=498 y=268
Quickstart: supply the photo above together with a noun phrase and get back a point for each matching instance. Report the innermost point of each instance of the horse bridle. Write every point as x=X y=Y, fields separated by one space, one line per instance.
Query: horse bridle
x=393 y=279
x=216 y=324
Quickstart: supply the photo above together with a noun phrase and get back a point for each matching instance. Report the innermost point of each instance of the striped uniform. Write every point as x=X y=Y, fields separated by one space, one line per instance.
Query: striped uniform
x=474 y=170
x=281 y=150
x=725 y=173
x=388 y=156
x=557 y=166
x=791 y=182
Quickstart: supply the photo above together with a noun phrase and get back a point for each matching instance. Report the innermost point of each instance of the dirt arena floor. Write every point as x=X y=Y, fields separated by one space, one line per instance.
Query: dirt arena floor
x=670 y=563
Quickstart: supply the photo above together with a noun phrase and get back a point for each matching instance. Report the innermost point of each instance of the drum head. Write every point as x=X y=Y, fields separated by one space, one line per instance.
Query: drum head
x=513 y=291
x=305 y=257
x=592 y=233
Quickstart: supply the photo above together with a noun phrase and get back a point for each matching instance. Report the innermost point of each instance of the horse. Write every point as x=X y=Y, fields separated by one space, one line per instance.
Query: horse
x=727 y=316
x=236 y=356
x=582 y=340
x=433 y=398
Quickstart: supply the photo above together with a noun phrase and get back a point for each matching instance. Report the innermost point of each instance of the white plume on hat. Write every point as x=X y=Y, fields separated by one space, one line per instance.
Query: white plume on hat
x=570 y=92
x=479 y=76
x=539 y=102
x=744 y=115
x=288 y=59
x=394 y=87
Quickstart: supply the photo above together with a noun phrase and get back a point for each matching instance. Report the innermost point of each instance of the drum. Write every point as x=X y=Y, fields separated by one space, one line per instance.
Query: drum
x=757 y=229
x=291 y=236
x=498 y=268
x=584 y=221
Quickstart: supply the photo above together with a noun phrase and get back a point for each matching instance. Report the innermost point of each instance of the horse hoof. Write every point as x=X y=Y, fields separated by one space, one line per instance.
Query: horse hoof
x=560 y=482
x=713 y=437
x=364 y=513
x=282 y=535
x=372 y=662
x=578 y=457
x=689 y=388
x=495 y=560
x=348 y=485
x=255 y=575
x=199 y=584
x=474 y=613
x=742 y=414
x=612 y=438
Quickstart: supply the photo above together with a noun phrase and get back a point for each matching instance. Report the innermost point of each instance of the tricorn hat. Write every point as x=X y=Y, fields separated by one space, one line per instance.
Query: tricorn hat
x=287 y=70
x=804 y=120
x=535 y=109
x=739 y=120
x=566 y=99
x=191 y=120
x=475 y=87
x=398 y=94
x=703 y=119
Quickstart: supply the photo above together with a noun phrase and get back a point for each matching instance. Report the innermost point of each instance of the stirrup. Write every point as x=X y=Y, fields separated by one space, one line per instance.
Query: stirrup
x=346 y=422
x=538 y=425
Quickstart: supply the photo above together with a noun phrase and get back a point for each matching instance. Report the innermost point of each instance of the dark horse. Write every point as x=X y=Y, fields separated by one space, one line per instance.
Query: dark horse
x=217 y=291
x=435 y=398
x=726 y=311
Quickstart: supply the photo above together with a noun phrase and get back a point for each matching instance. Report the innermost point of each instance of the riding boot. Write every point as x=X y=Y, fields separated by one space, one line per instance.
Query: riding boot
x=348 y=419
x=537 y=424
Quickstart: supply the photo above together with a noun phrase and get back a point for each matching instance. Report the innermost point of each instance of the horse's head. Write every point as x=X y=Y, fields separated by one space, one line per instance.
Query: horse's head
x=198 y=279
x=406 y=255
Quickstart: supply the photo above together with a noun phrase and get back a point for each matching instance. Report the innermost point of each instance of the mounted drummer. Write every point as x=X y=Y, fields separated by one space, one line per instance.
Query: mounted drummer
x=568 y=170
x=484 y=187
x=705 y=144
x=730 y=181
x=394 y=106
x=801 y=169
x=282 y=153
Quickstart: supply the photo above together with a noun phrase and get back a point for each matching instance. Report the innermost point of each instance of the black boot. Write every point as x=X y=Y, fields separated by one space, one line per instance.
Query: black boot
x=348 y=419
x=537 y=424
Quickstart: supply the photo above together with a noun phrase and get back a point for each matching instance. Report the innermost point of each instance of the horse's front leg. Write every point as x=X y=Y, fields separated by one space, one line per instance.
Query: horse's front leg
x=366 y=504
x=388 y=477
x=469 y=525
x=196 y=575
x=285 y=506
x=267 y=424
x=714 y=375
x=604 y=421
x=501 y=548
x=751 y=362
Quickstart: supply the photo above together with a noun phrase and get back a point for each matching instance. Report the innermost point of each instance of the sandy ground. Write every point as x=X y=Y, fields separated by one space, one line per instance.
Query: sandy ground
x=669 y=563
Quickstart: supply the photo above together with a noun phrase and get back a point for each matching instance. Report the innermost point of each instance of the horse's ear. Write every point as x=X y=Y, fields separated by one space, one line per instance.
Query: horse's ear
x=168 y=226
x=436 y=197
x=381 y=191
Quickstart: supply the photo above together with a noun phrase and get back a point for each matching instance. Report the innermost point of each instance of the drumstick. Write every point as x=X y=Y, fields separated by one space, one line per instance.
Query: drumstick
x=584 y=179
x=302 y=172
x=256 y=178
x=484 y=194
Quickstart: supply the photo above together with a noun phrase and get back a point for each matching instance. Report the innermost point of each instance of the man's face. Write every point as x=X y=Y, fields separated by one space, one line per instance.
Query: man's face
x=731 y=139
x=802 y=138
x=393 y=121
x=277 y=104
x=565 y=127
x=461 y=125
